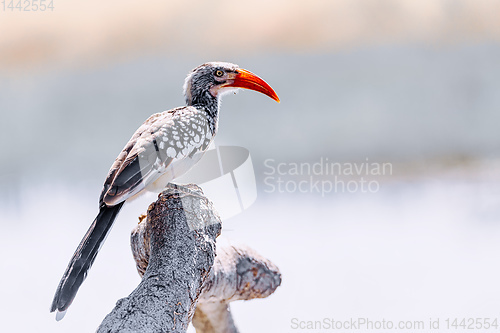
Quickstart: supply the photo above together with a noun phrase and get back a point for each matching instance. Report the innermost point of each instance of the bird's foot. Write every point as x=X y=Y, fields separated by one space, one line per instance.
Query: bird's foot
x=191 y=189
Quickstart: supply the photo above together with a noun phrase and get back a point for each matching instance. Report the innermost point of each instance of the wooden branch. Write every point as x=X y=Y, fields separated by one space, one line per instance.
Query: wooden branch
x=172 y=248
x=179 y=238
x=239 y=273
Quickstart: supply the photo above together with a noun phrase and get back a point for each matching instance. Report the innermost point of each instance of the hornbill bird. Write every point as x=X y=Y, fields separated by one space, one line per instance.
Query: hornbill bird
x=166 y=146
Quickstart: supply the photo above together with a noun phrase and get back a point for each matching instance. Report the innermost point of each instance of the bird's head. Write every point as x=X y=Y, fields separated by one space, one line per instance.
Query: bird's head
x=213 y=79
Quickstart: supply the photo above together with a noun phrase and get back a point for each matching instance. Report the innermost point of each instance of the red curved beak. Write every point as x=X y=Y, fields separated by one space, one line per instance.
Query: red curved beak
x=248 y=80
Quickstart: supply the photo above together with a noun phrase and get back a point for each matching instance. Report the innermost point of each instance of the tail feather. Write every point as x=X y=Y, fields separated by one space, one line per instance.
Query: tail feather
x=84 y=257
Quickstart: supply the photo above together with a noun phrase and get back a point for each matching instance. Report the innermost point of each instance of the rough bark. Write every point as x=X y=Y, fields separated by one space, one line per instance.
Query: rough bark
x=174 y=249
x=179 y=237
x=239 y=273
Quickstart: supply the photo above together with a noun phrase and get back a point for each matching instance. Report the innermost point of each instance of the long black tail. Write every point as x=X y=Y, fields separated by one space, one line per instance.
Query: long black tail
x=83 y=258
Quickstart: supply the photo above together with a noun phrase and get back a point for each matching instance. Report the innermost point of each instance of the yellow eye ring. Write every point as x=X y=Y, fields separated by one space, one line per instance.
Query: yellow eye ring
x=219 y=73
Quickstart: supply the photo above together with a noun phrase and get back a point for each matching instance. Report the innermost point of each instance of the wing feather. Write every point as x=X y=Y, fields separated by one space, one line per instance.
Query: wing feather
x=164 y=138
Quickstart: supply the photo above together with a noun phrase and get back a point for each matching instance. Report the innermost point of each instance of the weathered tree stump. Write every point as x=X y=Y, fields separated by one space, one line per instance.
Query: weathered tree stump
x=174 y=250
x=181 y=229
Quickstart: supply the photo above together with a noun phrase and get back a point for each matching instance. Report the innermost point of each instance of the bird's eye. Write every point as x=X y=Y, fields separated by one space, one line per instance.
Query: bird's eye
x=219 y=73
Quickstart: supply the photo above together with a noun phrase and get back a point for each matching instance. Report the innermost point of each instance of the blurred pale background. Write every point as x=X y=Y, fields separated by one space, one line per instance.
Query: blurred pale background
x=411 y=83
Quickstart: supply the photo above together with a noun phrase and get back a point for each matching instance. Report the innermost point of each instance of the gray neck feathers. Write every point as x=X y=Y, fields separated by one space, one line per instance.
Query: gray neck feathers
x=200 y=97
